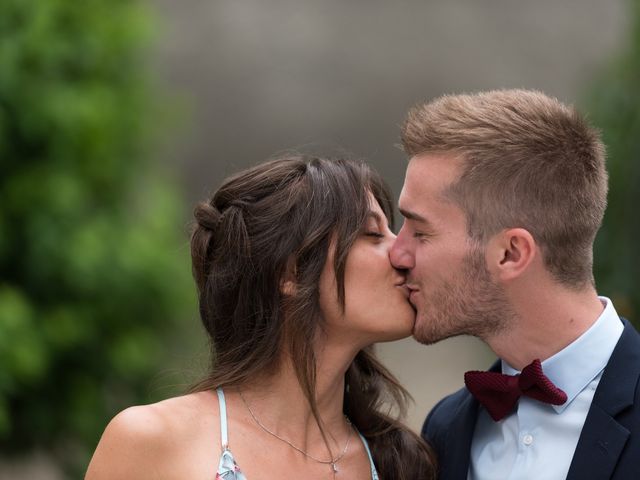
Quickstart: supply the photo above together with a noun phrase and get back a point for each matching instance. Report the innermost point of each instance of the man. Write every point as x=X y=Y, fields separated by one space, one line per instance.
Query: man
x=503 y=196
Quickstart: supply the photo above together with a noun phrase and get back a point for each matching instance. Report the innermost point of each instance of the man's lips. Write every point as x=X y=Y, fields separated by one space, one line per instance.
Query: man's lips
x=407 y=289
x=412 y=291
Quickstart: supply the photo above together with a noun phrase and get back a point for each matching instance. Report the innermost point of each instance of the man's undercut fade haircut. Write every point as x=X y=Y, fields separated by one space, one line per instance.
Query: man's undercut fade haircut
x=528 y=161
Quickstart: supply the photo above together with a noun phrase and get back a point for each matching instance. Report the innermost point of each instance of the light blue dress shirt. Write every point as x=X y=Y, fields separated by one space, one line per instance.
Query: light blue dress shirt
x=537 y=440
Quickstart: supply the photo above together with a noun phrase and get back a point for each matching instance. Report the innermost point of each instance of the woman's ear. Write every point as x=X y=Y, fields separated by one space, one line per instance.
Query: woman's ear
x=288 y=288
x=288 y=284
x=510 y=253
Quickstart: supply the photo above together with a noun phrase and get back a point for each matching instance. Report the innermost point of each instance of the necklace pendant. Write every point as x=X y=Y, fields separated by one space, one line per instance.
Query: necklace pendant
x=334 y=467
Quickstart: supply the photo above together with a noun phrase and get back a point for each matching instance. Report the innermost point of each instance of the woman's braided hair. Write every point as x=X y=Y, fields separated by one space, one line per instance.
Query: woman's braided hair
x=277 y=217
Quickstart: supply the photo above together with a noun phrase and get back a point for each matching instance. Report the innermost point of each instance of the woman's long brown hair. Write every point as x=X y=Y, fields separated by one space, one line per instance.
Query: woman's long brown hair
x=263 y=223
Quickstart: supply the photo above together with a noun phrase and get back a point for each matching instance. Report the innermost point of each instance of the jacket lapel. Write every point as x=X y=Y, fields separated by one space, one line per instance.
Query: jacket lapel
x=460 y=435
x=603 y=437
x=459 y=440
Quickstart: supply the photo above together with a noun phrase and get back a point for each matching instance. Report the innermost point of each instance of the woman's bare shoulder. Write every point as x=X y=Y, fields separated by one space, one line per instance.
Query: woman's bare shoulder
x=166 y=440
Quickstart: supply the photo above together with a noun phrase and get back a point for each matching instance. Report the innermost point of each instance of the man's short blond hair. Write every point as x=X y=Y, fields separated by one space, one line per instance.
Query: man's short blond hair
x=529 y=161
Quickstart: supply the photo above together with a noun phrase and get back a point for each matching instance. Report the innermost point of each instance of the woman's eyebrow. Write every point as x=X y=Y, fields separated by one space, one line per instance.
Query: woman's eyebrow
x=376 y=216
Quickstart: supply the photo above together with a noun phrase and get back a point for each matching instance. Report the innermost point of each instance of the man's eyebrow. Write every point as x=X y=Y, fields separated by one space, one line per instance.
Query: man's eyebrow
x=413 y=216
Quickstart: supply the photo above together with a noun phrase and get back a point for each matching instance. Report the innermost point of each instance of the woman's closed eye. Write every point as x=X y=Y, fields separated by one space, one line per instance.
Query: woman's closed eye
x=374 y=234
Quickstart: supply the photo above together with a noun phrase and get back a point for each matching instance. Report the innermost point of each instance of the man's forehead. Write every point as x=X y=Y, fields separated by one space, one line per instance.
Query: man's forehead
x=425 y=195
x=433 y=170
x=428 y=179
x=413 y=207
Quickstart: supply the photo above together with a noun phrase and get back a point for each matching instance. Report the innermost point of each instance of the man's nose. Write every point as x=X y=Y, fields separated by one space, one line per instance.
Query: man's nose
x=400 y=255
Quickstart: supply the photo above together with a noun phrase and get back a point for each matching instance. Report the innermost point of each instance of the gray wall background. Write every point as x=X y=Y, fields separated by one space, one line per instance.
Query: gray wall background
x=258 y=77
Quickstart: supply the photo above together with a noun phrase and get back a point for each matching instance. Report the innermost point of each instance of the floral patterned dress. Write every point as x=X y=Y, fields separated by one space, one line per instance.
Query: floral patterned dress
x=228 y=468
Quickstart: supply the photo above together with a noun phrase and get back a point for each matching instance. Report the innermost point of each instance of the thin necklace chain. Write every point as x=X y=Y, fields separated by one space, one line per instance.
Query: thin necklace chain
x=331 y=462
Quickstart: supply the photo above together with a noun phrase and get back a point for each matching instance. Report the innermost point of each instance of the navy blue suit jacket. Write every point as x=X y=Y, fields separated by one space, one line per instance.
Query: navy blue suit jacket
x=609 y=444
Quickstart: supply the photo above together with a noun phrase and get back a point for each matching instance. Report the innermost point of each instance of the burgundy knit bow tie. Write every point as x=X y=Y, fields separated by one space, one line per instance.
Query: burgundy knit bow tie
x=499 y=393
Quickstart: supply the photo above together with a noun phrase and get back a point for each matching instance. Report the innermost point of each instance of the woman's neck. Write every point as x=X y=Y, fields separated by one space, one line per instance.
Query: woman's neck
x=279 y=402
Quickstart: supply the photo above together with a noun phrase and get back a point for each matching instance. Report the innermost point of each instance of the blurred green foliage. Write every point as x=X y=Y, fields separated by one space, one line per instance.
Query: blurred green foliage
x=614 y=105
x=94 y=273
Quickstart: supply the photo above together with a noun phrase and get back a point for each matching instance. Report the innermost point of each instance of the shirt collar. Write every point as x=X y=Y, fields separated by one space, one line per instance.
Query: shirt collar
x=576 y=365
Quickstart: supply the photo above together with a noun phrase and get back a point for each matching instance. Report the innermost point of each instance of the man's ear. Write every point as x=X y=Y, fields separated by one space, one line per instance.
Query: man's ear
x=510 y=253
x=288 y=284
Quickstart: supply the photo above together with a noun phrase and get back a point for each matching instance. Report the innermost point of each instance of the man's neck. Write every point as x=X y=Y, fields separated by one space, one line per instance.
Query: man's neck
x=547 y=321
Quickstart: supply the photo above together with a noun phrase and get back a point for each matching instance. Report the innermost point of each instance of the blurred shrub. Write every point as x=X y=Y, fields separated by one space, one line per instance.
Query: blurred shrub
x=92 y=274
x=614 y=105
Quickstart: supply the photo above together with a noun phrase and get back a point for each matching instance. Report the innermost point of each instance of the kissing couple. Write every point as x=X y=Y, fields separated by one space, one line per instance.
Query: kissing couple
x=299 y=273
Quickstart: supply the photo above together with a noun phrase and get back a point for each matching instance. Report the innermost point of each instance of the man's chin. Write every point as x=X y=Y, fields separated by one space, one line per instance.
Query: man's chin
x=419 y=335
x=423 y=340
x=429 y=337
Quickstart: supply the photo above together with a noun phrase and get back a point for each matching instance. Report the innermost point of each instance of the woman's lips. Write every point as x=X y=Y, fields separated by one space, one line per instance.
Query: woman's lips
x=404 y=288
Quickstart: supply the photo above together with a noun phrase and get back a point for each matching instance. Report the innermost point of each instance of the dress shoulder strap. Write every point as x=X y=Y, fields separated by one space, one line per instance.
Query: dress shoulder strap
x=224 y=435
x=374 y=472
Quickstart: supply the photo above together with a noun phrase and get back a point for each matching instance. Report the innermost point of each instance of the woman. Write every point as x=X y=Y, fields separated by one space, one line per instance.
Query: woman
x=291 y=263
